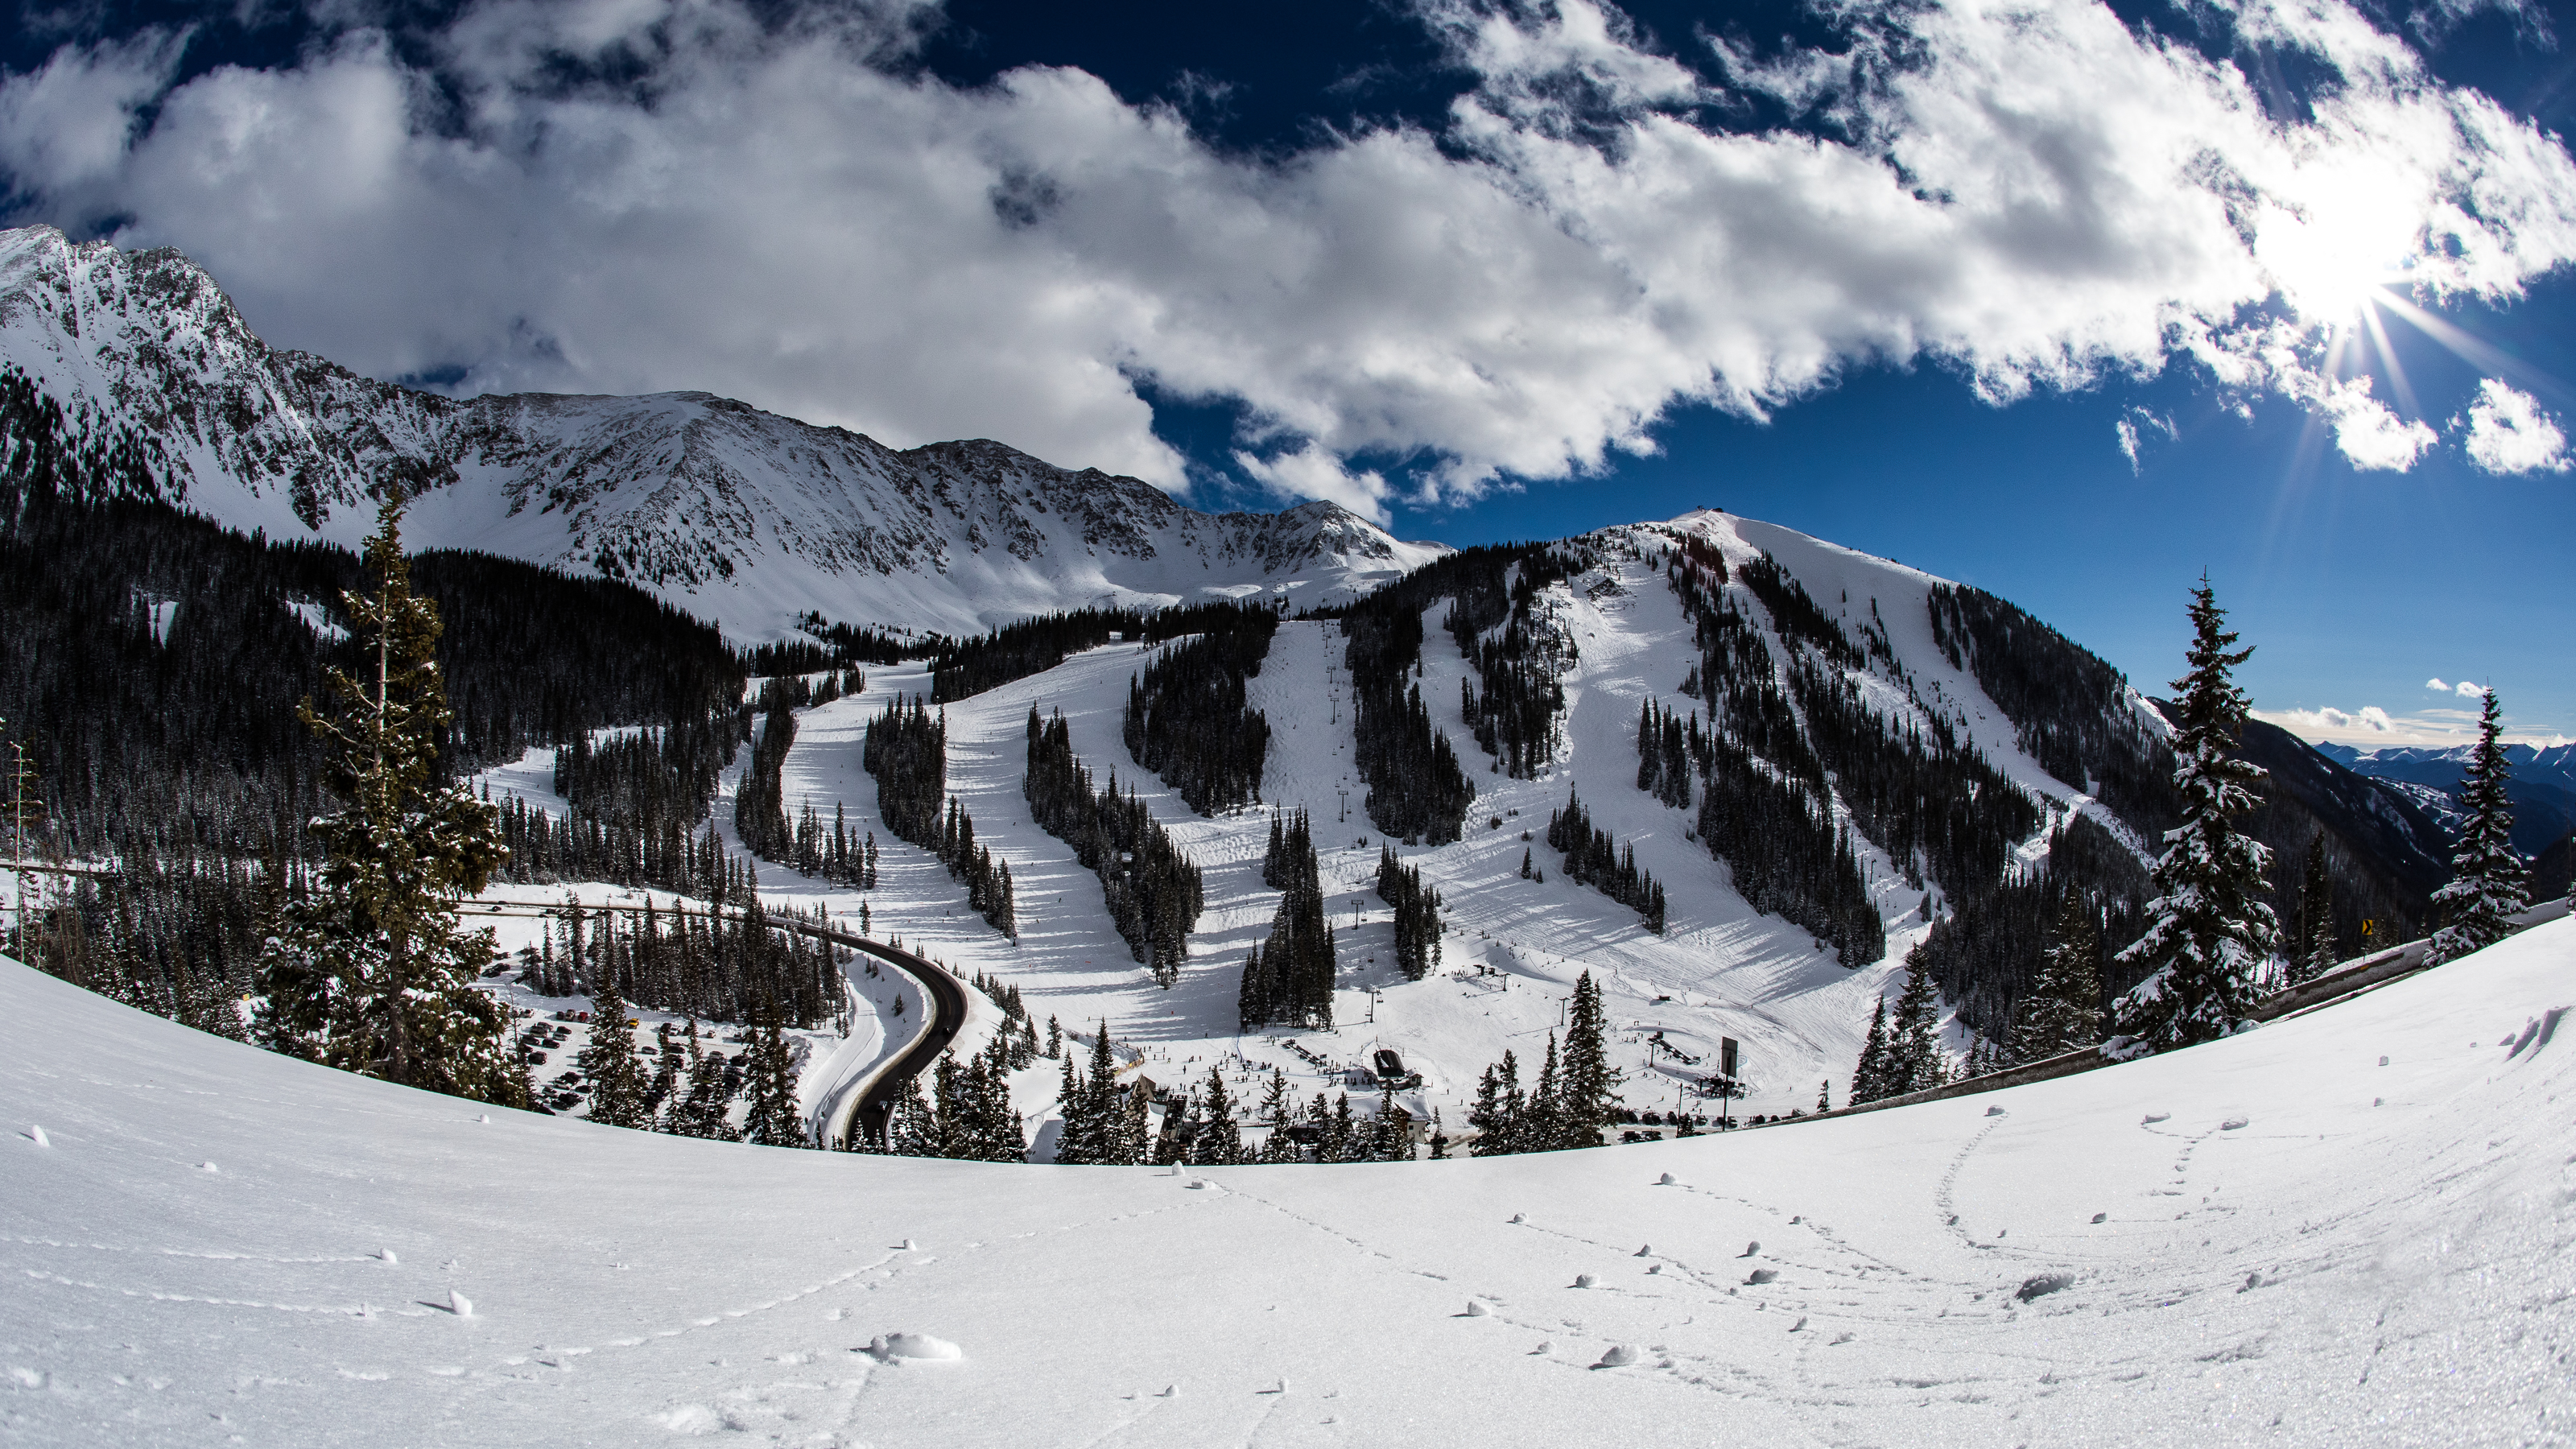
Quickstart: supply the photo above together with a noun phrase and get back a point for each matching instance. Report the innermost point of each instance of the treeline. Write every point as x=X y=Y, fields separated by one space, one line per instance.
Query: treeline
x=1289 y=976
x=546 y=849
x=907 y=750
x=1516 y=707
x=2070 y=710
x=1596 y=860
x=1154 y=892
x=718 y=964
x=1986 y=953
x=1417 y=914
x=963 y=668
x=860 y=644
x=966 y=1115
x=1569 y=1103
x=1764 y=805
x=759 y=804
x=1920 y=794
x=685 y=1089
x=1186 y=719
x=84 y=459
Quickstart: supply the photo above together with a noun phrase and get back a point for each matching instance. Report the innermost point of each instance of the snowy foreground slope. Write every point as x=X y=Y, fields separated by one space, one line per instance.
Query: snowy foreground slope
x=2276 y=1239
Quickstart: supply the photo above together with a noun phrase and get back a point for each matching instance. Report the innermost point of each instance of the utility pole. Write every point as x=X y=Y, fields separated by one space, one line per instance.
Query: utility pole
x=21 y=811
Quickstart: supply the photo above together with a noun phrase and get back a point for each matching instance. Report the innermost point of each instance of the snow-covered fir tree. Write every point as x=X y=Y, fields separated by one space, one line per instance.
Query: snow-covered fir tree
x=1589 y=1082
x=2209 y=930
x=769 y=1083
x=1219 y=1140
x=1869 y=1079
x=1914 y=1060
x=2063 y=1011
x=618 y=1083
x=2488 y=881
x=701 y=1107
x=369 y=969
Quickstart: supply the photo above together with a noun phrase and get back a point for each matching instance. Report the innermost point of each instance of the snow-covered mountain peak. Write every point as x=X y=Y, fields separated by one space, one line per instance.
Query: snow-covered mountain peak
x=730 y=512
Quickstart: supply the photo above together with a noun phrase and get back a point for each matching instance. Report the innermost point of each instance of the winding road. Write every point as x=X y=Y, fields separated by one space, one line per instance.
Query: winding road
x=869 y=1101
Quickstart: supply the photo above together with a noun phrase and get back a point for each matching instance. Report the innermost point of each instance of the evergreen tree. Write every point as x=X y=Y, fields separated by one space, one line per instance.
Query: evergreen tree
x=2208 y=927
x=1074 y=1139
x=1496 y=1115
x=1219 y=1141
x=1869 y=1080
x=2314 y=951
x=2487 y=885
x=1914 y=1062
x=618 y=1086
x=1590 y=1081
x=769 y=1081
x=702 y=1111
x=370 y=970
x=1276 y=1110
x=666 y=1072
x=2063 y=1012
x=1542 y=1119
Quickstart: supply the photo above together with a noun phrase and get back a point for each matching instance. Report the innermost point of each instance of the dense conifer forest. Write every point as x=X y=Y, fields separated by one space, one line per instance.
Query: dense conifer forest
x=1987 y=952
x=723 y=965
x=1595 y=859
x=966 y=667
x=907 y=750
x=1186 y=719
x=1418 y=791
x=1153 y=891
x=154 y=667
x=1417 y=914
x=1763 y=808
x=1516 y=706
x=1289 y=977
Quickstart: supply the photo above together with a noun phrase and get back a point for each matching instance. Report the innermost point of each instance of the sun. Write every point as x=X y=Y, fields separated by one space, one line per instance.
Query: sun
x=2342 y=248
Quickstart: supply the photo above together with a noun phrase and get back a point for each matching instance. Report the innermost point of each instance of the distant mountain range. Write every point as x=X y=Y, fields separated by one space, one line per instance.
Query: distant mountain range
x=739 y=516
x=1889 y=708
x=2543 y=785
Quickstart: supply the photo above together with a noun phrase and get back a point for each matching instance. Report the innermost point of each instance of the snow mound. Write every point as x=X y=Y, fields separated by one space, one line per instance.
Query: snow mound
x=915 y=1346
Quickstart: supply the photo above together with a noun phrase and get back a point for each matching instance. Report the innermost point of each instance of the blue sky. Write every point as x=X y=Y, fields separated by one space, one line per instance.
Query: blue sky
x=2071 y=305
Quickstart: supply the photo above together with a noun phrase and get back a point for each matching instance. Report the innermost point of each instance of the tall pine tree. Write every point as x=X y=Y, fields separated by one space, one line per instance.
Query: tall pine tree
x=2487 y=885
x=2208 y=927
x=2063 y=1011
x=2313 y=953
x=369 y=969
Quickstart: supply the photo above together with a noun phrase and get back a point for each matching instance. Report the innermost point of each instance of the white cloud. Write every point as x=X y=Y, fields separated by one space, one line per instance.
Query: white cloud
x=2508 y=432
x=2132 y=427
x=2369 y=435
x=2464 y=689
x=2034 y=195
x=1310 y=472
x=2372 y=727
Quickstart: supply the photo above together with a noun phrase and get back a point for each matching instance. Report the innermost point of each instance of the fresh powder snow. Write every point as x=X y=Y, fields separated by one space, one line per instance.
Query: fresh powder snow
x=374 y=1265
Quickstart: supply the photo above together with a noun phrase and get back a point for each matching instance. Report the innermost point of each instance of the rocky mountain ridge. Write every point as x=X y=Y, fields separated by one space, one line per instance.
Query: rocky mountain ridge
x=735 y=514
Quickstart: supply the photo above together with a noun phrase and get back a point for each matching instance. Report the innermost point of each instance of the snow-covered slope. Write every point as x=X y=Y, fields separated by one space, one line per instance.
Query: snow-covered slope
x=1514 y=947
x=2353 y=1227
x=737 y=515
